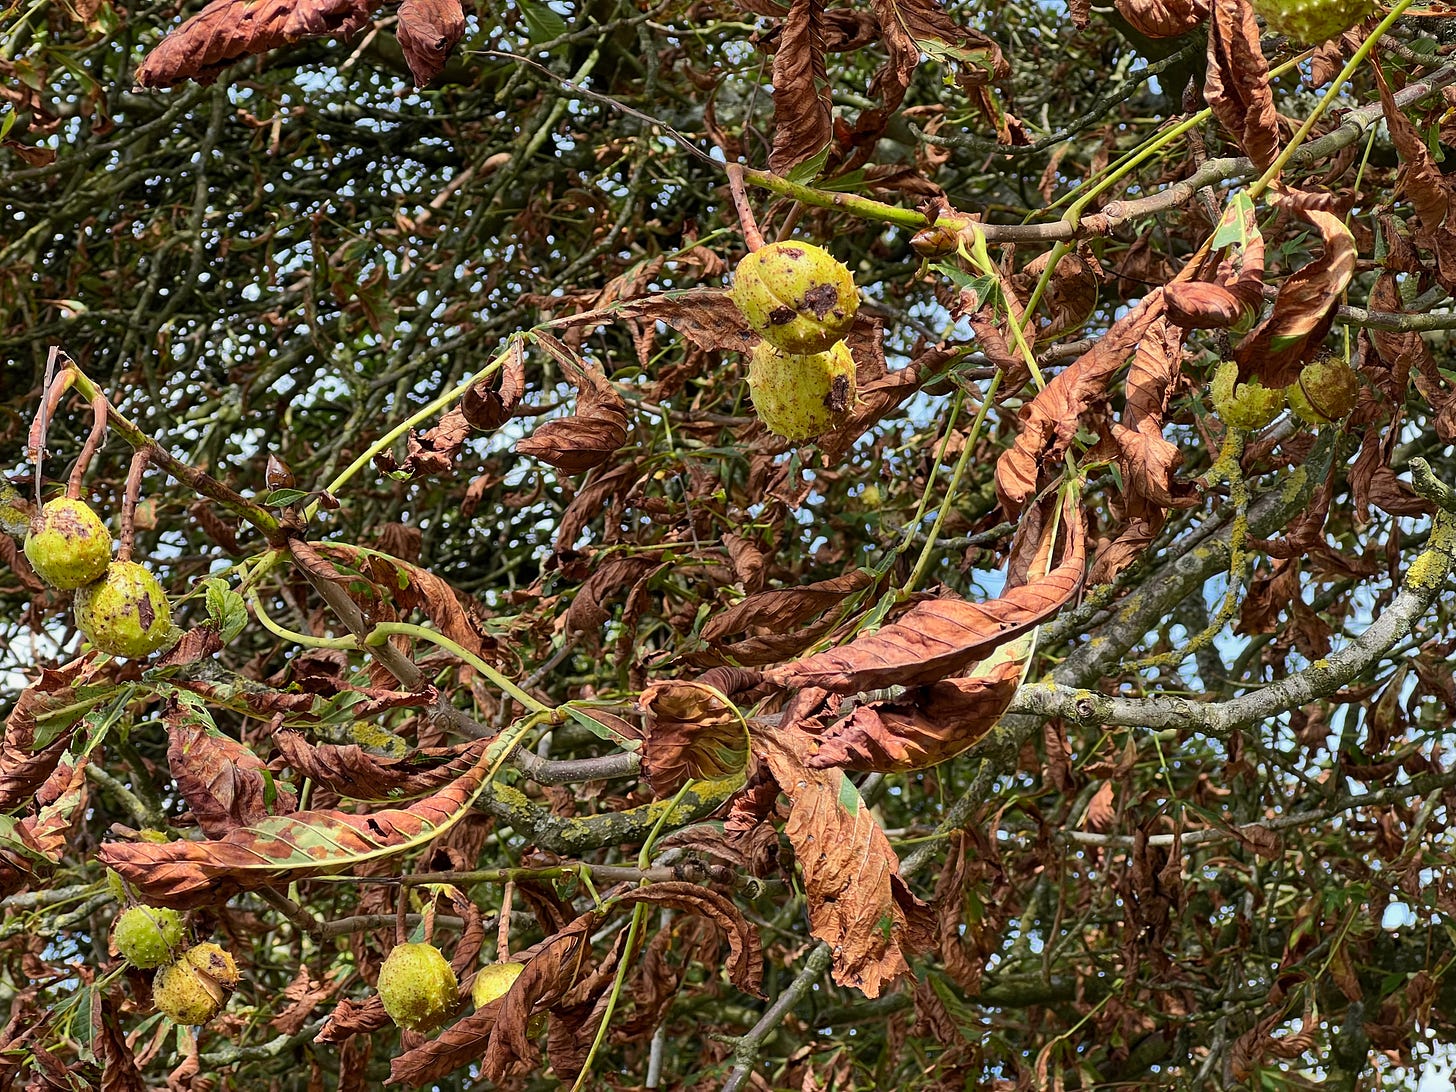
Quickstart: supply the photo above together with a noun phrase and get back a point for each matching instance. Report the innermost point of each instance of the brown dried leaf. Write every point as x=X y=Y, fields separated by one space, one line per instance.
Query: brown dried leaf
x=1236 y=295
x=782 y=609
x=1049 y=421
x=23 y=768
x=427 y=31
x=587 y=439
x=224 y=782
x=858 y=903
x=705 y=316
x=284 y=848
x=351 y=1018
x=923 y=727
x=352 y=772
x=745 y=955
x=937 y=638
x=120 y=1072
x=690 y=732
x=407 y=587
x=1304 y=310
x=1163 y=18
x=430 y=453
x=1236 y=86
x=1429 y=190
x=803 y=121
x=485 y=408
x=226 y=31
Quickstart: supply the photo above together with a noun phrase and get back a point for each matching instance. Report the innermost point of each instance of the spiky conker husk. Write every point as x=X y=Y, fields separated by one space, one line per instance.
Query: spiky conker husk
x=1248 y=405
x=493 y=981
x=67 y=544
x=417 y=986
x=801 y=396
x=1325 y=391
x=215 y=961
x=147 y=936
x=125 y=613
x=797 y=296
x=1312 y=21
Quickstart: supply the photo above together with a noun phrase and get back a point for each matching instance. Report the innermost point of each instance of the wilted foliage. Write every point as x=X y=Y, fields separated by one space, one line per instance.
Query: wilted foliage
x=1070 y=712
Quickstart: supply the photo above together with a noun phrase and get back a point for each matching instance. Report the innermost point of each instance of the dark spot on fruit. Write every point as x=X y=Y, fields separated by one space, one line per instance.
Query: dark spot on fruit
x=792 y=252
x=782 y=316
x=145 y=614
x=821 y=299
x=838 y=397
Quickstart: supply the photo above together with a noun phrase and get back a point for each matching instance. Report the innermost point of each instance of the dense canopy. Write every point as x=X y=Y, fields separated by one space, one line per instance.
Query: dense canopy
x=1069 y=712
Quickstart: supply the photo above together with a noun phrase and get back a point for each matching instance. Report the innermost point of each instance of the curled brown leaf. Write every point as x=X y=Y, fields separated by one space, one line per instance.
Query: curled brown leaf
x=802 y=121
x=1237 y=84
x=940 y=637
x=691 y=732
x=923 y=727
x=858 y=903
x=427 y=31
x=226 y=31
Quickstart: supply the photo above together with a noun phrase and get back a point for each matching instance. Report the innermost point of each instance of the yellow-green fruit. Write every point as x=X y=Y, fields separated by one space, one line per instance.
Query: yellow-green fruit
x=147 y=936
x=67 y=544
x=800 y=397
x=1244 y=405
x=1325 y=391
x=125 y=613
x=184 y=993
x=1312 y=21
x=493 y=981
x=795 y=295
x=417 y=986
x=216 y=962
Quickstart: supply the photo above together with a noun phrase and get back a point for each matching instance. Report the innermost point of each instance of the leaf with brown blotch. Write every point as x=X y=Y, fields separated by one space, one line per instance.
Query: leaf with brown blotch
x=224 y=783
x=226 y=31
x=1163 y=18
x=745 y=954
x=690 y=732
x=782 y=609
x=923 y=727
x=940 y=637
x=1049 y=422
x=352 y=772
x=427 y=31
x=59 y=802
x=598 y=428
x=913 y=27
x=23 y=767
x=1429 y=190
x=1236 y=86
x=495 y=1035
x=285 y=848
x=802 y=119
x=858 y=903
x=1304 y=309
x=486 y=408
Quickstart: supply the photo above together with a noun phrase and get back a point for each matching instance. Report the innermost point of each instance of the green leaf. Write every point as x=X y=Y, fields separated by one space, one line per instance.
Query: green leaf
x=282 y=498
x=804 y=173
x=225 y=608
x=542 y=24
x=1231 y=230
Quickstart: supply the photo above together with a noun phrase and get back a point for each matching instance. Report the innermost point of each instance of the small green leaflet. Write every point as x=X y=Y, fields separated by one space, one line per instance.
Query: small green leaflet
x=1233 y=228
x=226 y=608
